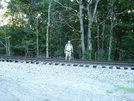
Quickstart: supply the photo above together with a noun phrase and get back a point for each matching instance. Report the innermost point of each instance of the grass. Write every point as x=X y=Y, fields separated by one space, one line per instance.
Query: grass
x=124 y=89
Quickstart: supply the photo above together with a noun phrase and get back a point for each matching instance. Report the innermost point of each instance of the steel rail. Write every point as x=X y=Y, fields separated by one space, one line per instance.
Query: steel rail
x=17 y=58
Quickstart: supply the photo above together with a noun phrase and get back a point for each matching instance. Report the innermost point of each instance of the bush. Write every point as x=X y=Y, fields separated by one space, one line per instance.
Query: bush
x=86 y=55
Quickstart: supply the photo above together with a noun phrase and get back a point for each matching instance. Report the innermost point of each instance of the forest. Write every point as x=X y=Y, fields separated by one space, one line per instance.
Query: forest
x=98 y=29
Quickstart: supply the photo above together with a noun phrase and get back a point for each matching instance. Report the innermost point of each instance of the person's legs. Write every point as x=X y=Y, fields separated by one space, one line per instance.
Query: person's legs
x=66 y=55
x=69 y=54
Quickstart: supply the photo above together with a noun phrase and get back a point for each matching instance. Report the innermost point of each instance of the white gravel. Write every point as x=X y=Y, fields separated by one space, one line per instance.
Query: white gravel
x=40 y=82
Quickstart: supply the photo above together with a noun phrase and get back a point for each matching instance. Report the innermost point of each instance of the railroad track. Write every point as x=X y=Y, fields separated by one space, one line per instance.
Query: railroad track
x=80 y=63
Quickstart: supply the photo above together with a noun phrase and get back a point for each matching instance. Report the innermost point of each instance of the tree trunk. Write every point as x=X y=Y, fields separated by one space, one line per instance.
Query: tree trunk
x=102 y=45
x=8 y=47
x=7 y=42
x=110 y=41
x=81 y=27
x=37 y=38
x=91 y=16
x=111 y=30
x=47 y=31
x=98 y=41
x=89 y=30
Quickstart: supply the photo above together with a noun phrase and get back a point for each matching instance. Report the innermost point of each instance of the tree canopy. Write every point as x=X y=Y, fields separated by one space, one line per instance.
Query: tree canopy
x=98 y=29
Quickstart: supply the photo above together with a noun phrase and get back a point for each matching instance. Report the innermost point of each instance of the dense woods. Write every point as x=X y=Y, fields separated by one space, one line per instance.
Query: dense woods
x=98 y=29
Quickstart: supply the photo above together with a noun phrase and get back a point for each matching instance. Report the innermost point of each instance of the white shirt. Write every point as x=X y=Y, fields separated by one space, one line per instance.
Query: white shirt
x=68 y=47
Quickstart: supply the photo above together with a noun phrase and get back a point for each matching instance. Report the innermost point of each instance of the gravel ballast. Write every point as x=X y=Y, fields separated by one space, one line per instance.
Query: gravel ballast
x=44 y=82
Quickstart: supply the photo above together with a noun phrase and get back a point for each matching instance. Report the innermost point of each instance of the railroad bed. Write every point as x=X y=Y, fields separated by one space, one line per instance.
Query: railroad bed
x=31 y=80
x=62 y=62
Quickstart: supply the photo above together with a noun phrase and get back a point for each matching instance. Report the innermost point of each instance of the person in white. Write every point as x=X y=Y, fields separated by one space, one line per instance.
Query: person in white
x=68 y=50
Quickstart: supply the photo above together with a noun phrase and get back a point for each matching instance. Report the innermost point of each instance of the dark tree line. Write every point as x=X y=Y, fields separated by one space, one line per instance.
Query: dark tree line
x=98 y=29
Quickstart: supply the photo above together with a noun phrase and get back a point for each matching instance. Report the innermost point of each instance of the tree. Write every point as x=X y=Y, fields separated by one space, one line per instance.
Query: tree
x=91 y=13
x=80 y=16
x=47 y=31
x=6 y=42
x=100 y=26
x=5 y=39
x=113 y=14
x=32 y=11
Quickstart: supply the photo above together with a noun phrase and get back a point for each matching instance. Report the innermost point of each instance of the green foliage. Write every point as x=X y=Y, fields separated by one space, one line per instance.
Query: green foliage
x=86 y=54
x=65 y=25
x=1 y=6
x=58 y=53
x=128 y=46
